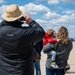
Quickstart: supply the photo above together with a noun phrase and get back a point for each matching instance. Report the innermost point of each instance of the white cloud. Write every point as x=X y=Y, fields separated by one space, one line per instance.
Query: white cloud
x=72 y=18
x=33 y=9
x=68 y=18
x=52 y=2
x=64 y=20
x=55 y=23
x=2 y=9
x=44 y=23
x=51 y=15
x=1 y=1
x=41 y=21
x=69 y=1
x=55 y=2
x=49 y=24
x=69 y=12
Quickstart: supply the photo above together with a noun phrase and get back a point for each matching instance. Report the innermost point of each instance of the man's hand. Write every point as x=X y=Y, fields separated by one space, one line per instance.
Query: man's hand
x=27 y=18
x=36 y=57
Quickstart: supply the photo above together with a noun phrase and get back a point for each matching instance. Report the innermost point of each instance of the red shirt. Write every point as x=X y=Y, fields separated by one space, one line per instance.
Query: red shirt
x=48 y=39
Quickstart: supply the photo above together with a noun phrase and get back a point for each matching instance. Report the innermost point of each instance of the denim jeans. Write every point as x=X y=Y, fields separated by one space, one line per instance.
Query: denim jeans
x=54 y=71
x=37 y=67
x=53 y=55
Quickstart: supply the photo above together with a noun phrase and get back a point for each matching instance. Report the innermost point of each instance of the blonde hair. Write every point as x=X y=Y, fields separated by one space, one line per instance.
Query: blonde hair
x=63 y=35
x=50 y=32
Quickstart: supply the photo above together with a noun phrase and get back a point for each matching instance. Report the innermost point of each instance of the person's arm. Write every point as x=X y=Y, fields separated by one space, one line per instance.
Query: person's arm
x=41 y=45
x=48 y=47
x=49 y=39
x=36 y=32
x=52 y=40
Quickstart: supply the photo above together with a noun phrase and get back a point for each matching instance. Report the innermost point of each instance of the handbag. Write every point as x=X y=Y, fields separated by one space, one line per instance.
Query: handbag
x=67 y=67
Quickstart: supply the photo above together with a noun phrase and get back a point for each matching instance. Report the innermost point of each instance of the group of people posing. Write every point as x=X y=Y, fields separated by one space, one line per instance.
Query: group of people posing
x=20 y=47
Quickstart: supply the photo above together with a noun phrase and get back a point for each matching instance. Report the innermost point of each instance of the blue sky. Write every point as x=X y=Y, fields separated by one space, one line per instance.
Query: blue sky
x=48 y=13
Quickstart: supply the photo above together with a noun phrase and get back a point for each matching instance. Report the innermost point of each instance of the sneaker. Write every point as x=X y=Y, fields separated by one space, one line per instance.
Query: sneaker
x=54 y=65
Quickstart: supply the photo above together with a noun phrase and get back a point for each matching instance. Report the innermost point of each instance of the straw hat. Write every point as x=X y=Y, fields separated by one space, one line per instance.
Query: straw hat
x=12 y=13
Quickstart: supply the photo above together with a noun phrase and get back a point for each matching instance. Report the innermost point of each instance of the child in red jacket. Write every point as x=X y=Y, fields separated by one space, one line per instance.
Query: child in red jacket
x=48 y=40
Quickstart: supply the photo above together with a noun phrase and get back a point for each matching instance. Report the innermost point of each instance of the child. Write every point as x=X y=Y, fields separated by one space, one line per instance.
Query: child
x=48 y=42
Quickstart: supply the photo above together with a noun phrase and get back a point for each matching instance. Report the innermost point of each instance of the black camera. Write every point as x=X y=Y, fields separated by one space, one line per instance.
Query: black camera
x=22 y=19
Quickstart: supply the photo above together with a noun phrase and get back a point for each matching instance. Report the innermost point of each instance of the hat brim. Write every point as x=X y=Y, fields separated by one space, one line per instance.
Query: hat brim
x=10 y=19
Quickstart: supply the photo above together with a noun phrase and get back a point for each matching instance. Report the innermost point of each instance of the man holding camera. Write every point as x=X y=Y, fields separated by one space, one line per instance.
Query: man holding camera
x=16 y=42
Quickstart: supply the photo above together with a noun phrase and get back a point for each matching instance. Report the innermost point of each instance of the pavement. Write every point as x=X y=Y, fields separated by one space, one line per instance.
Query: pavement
x=71 y=61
